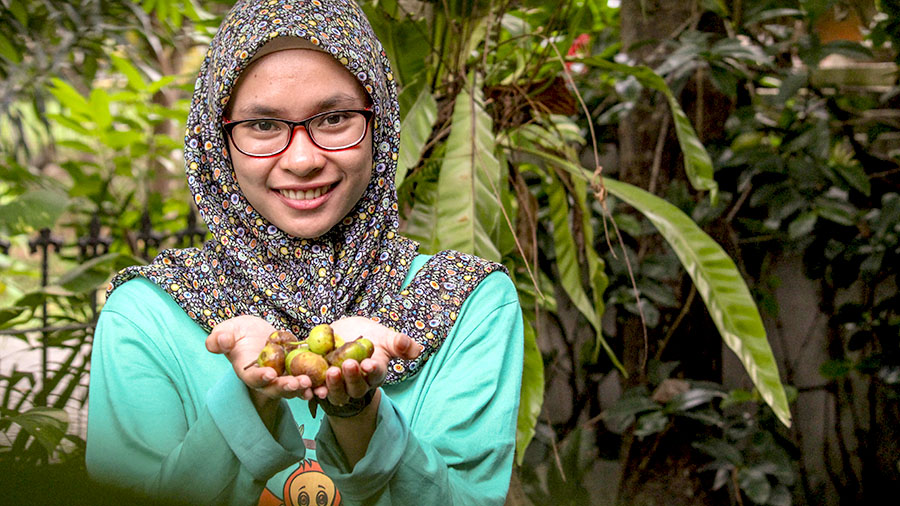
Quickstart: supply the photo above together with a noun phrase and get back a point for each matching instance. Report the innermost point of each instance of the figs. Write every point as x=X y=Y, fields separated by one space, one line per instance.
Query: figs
x=300 y=362
x=357 y=350
x=312 y=356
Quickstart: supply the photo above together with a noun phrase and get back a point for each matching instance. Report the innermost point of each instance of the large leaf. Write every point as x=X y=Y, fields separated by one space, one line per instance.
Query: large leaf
x=568 y=265
x=532 y=395
x=33 y=210
x=596 y=266
x=415 y=131
x=93 y=273
x=422 y=223
x=722 y=288
x=47 y=425
x=697 y=163
x=717 y=280
x=469 y=181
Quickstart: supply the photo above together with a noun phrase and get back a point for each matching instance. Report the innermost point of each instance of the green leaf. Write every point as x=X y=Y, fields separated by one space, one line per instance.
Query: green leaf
x=596 y=267
x=720 y=450
x=69 y=123
x=20 y=12
x=33 y=210
x=697 y=163
x=847 y=48
x=69 y=97
x=803 y=225
x=840 y=212
x=160 y=83
x=93 y=273
x=569 y=266
x=694 y=397
x=855 y=176
x=8 y=314
x=835 y=369
x=76 y=145
x=755 y=484
x=772 y=14
x=135 y=80
x=780 y=496
x=532 y=394
x=717 y=280
x=422 y=223
x=623 y=413
x=651 y=423
x=720 y=285
x=8 y=50
x=47 y=425
x=99 y=103
x=469 y=181
x=416 y=130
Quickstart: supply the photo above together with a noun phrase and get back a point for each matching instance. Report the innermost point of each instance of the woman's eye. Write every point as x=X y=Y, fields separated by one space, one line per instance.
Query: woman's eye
x=264 y=126
x=334 y=119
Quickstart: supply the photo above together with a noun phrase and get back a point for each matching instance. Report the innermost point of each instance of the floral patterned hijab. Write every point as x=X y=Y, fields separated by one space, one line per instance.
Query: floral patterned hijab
x=252 y=267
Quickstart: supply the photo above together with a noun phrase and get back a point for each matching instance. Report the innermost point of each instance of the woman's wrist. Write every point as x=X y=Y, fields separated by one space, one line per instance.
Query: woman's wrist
x=266 y=407
x=351 y=408
x=354 y=433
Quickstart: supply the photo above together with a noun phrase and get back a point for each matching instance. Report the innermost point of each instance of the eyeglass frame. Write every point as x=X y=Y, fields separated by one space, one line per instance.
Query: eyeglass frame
x=229 y=125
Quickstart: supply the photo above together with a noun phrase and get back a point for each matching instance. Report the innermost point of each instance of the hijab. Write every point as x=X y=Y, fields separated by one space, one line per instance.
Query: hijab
x=249 y=266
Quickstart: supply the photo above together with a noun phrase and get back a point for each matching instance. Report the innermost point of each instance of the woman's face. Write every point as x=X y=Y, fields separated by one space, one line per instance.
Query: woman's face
x=304 y=190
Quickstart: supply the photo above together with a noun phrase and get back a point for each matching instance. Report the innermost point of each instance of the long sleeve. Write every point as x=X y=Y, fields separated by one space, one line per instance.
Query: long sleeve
x=453 y=441
x=164 y=412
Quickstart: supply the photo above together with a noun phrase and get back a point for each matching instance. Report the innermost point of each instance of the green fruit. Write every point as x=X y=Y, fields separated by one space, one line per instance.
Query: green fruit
x=370 y=348
x=321 y=339
x=286 y=339
x=358 y=350
x=300 y=362
x=272 y=355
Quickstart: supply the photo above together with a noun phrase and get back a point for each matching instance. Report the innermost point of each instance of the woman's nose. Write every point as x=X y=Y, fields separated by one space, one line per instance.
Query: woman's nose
x=301 y=155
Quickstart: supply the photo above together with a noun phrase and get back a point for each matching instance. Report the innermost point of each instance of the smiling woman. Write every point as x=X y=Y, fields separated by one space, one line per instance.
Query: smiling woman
x=289 y=178
x=290 y=154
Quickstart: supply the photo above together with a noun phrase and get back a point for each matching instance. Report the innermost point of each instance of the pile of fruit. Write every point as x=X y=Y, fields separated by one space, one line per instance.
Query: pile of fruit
x=313 y=355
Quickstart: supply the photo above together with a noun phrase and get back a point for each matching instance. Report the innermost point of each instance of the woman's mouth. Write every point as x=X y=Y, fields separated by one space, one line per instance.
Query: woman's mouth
x=305 y=194
x=306 y=200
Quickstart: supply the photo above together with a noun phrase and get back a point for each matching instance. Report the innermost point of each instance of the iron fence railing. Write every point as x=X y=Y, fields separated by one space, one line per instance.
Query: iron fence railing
x=45 y=361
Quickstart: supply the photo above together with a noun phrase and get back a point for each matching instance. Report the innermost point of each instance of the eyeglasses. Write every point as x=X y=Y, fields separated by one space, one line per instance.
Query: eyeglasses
x=330 y=130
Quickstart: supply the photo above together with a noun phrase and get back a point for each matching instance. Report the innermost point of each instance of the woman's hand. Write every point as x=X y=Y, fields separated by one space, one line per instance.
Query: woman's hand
x=241 y=339
x=354 y=379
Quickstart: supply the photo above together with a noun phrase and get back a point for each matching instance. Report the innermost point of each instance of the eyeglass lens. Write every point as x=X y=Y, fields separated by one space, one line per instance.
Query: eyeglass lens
x=334 y=130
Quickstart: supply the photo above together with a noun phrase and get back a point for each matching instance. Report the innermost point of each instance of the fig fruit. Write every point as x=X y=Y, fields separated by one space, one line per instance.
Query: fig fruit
x=272 y=355
x=358 y=350
x=286 y=339
x=300 y=362
x=321 y=339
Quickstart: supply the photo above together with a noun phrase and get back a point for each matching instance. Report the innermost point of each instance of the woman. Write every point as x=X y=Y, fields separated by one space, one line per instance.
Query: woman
x=290 y=154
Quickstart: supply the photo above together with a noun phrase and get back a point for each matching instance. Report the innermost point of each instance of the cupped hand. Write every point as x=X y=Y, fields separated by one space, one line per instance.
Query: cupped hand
x=354 y=379
x=241 y=339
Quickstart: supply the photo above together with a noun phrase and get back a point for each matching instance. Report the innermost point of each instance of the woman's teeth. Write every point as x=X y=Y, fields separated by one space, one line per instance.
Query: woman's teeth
x=305 y=195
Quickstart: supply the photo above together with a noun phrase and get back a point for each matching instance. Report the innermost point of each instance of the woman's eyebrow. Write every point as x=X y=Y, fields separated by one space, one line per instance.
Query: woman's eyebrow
x=342 y=101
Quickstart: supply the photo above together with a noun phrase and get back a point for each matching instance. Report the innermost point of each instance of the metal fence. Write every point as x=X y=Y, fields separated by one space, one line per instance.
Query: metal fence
x=46 y=361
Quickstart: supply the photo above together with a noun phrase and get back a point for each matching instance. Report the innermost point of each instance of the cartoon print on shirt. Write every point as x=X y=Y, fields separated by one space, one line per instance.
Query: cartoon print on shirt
x=306 y=486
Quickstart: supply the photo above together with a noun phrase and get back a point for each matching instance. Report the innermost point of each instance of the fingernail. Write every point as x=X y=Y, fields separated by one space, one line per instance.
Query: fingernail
x=268 y=376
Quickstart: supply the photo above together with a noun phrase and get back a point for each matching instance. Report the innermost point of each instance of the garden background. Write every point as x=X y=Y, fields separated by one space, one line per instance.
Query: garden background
x=698 y=201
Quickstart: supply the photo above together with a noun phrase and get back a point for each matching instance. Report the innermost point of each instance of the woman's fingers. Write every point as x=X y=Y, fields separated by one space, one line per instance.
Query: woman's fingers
x=336 y=388
x=405 y=347
x=220 y=340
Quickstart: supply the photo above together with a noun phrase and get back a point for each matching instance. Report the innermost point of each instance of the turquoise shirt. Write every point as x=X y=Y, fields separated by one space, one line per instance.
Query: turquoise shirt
x=170 y=419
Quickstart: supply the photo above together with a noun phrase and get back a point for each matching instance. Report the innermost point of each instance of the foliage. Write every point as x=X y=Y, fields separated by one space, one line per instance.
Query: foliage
x=503 y=105
x=88 y=146
x=737 y=433
x=455 y=197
